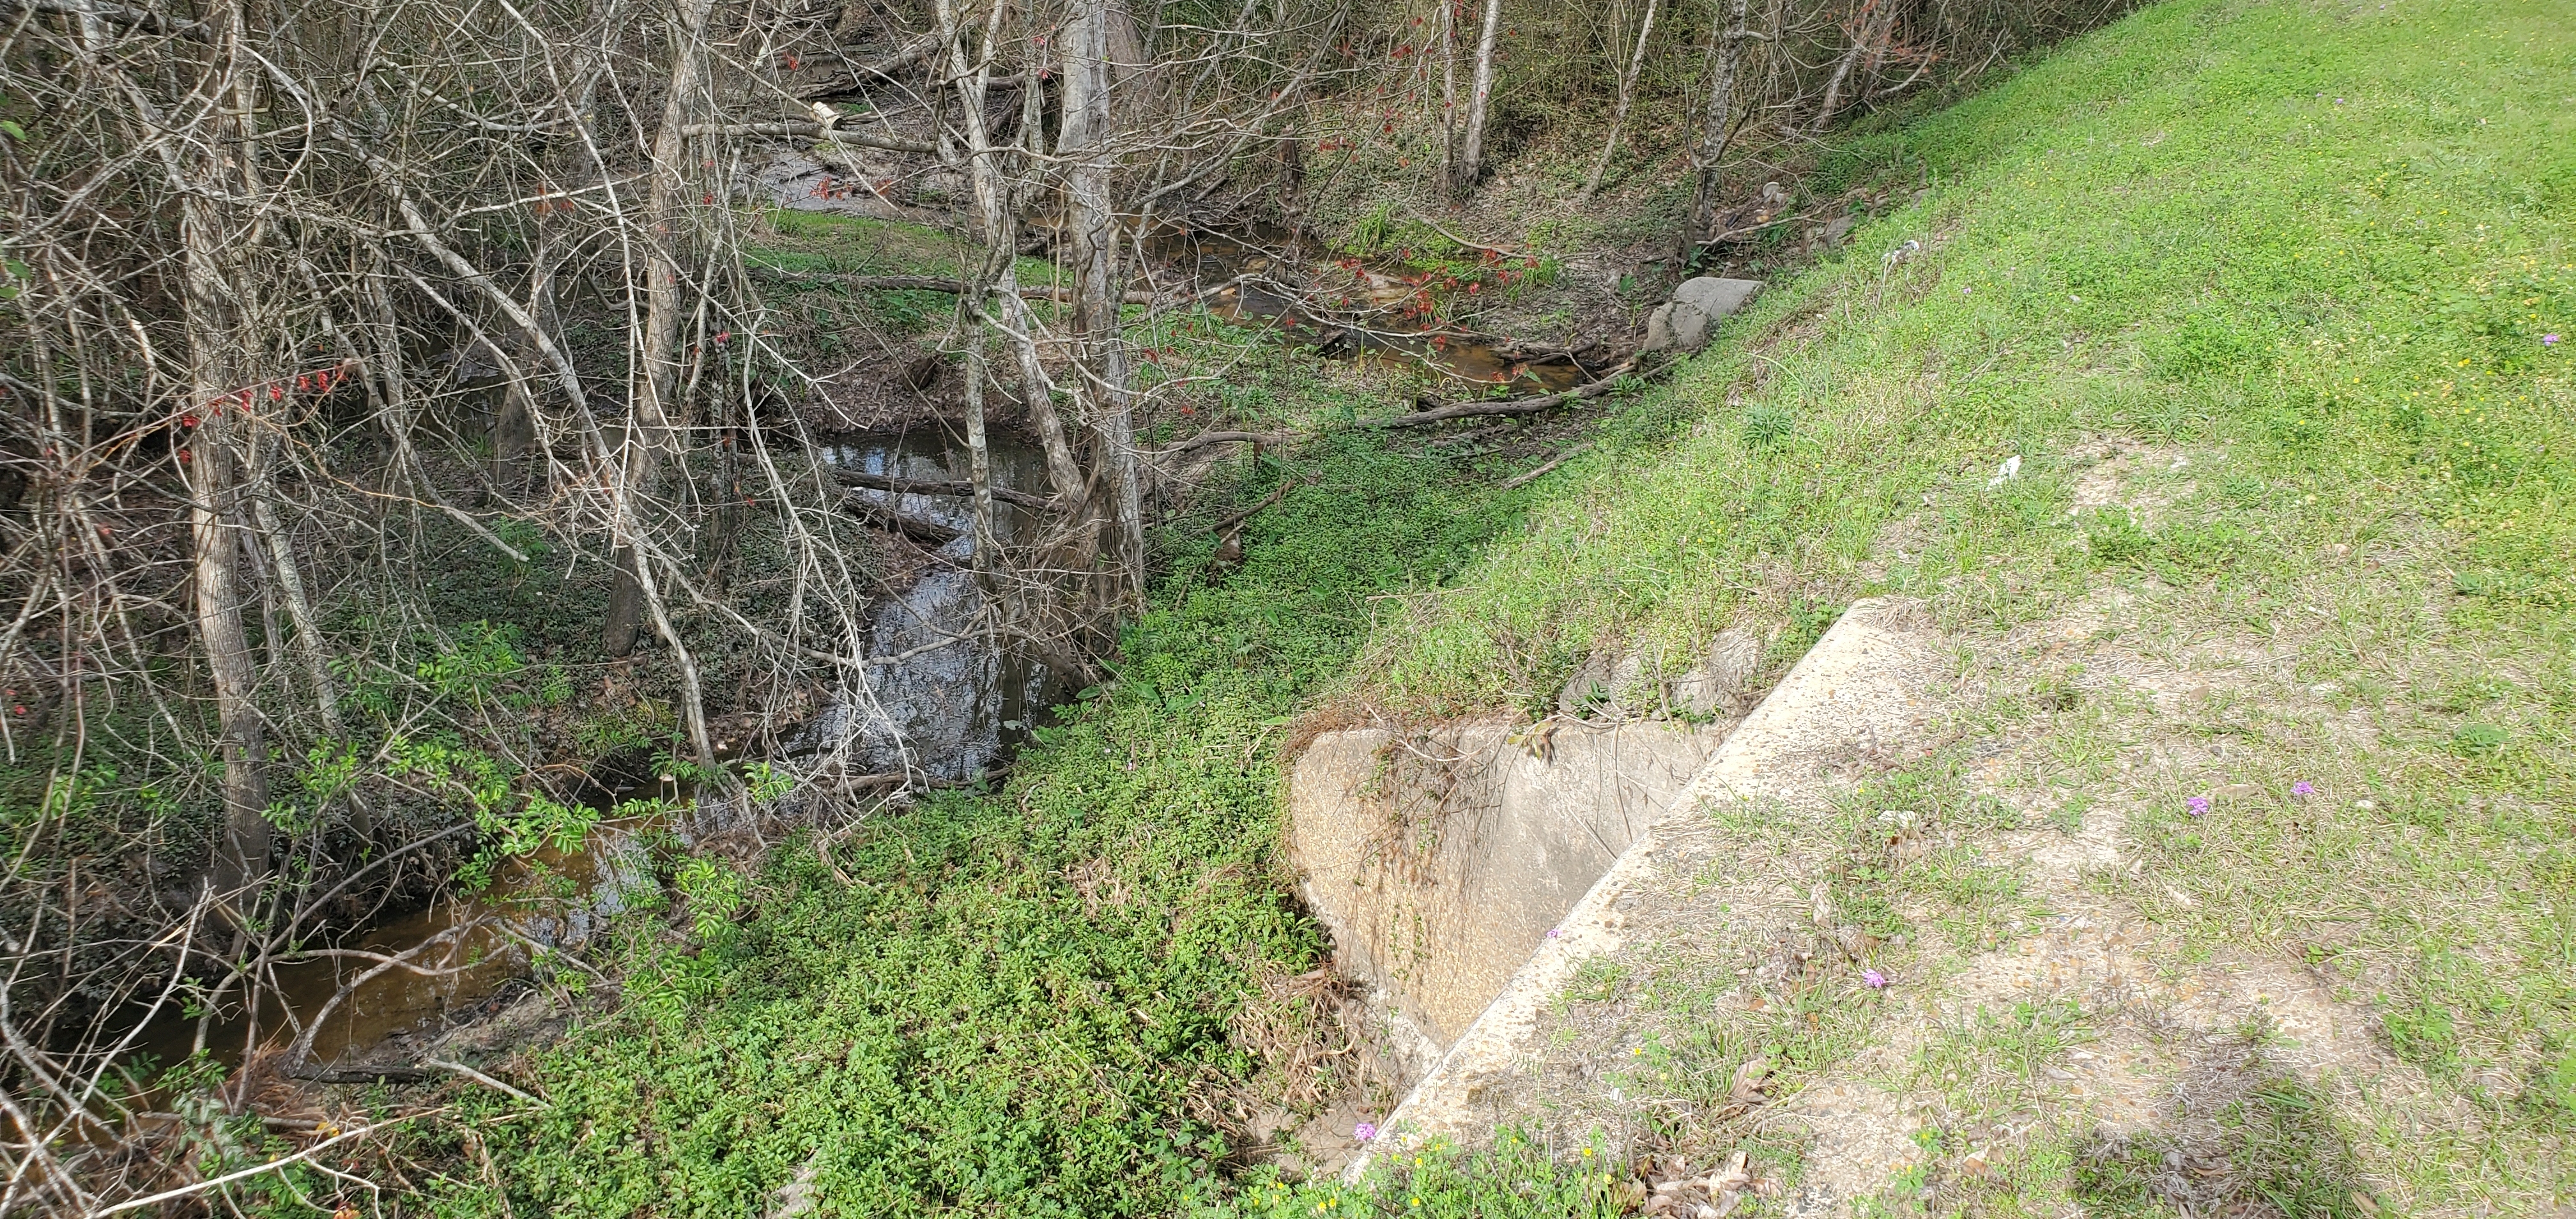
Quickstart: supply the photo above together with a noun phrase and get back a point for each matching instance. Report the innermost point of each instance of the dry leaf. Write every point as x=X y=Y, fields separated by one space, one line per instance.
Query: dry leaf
x=1746 y=1088
x=1732 y=1177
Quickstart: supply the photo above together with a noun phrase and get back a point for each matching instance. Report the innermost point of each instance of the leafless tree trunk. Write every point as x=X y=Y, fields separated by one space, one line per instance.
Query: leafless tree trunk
x=1627 y=95
x=1471 y=150
x=1449 y=92
x=993 y=203
x=651 y=440
x=1717 y=123
x=1088 y=145
x=1870 y=31
x=220 y=177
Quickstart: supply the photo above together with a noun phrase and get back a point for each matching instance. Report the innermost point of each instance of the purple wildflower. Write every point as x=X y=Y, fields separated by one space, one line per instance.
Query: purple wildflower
x=1876 y=980
x=2199 y=805
x=1363 y=1132
x=2303 y=788
x=2549 y=340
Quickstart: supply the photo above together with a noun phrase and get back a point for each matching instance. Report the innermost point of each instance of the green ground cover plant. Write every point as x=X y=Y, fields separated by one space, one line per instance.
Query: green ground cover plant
x=2265 y=299
x=1017 y=1001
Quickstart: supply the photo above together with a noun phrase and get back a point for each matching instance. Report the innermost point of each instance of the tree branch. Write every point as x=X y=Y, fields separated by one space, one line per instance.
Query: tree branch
x=1507 y=406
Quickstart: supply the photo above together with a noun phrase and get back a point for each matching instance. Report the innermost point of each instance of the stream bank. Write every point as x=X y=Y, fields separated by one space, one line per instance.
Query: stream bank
x=949 y=712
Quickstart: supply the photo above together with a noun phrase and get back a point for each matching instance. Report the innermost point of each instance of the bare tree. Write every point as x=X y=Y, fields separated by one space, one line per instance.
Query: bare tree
x=649 y=443
x=1471 y=147
x=217 y=179
x=1089 y=145
x=1627 y=96
x=1717 y=122
x=1870 y=30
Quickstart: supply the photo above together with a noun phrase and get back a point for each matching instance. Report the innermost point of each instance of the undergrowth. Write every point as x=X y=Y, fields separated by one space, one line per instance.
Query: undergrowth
x=2302 y=270
x=1016 y=1001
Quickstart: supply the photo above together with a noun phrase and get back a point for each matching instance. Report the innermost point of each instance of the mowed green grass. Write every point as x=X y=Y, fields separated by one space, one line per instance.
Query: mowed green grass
x=2276 y=305
x=2329 y=241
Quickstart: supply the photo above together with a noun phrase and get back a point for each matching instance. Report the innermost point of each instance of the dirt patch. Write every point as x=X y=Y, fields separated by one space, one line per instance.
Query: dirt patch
x=2119 y=473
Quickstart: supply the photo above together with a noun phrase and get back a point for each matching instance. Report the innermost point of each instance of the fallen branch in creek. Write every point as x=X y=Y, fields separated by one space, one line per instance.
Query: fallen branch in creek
x=928 y=486
x=929 y=533
x=837 y=135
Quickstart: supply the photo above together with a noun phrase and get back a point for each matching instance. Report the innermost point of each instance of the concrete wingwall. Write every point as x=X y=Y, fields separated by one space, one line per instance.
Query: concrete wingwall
x=1843 y=692
x=1440 y=861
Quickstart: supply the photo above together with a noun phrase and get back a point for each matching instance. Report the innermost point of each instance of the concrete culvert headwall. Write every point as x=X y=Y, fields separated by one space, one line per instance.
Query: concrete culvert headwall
x=1439 y=861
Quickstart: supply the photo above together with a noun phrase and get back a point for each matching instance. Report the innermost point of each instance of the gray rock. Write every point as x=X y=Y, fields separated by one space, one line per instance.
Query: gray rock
x=1717 y=297
x=1683 y=323
x=1659 y=330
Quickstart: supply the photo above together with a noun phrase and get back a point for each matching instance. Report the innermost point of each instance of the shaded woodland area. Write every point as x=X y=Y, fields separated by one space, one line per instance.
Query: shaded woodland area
x=399 y=429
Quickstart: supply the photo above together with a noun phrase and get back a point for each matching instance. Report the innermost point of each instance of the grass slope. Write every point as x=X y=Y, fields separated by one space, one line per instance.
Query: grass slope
x=2265 y=299
x=2313 y=249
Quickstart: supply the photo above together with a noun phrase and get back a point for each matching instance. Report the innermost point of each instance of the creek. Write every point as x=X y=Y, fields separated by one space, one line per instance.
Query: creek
x=947 y=714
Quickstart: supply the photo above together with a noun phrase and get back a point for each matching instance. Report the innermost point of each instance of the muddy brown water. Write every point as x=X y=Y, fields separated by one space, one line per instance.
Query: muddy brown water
x=554 y=899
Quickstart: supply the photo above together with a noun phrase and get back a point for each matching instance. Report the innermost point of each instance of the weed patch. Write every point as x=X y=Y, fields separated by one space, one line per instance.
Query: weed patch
x=2242 y=1136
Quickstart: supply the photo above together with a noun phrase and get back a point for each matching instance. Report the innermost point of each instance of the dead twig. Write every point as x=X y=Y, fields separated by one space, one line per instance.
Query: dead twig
x=1506 y=406
x=1519 y=480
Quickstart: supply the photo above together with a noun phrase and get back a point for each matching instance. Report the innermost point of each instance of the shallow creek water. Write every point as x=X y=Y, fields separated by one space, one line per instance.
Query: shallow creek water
x=948 y=715
x=1251 y=276
x=952 y=712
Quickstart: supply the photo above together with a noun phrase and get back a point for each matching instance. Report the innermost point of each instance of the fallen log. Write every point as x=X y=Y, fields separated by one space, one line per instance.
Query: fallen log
x=838 y=135
x=1204 y=439
x=938 y=283
x=884 y=69
x=1541 y=472
x=874 y=511
x=928 y=486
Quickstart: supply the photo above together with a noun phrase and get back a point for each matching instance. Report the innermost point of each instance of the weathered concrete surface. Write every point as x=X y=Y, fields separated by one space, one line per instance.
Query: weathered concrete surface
x=1858 y=691
x=1440 y=861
